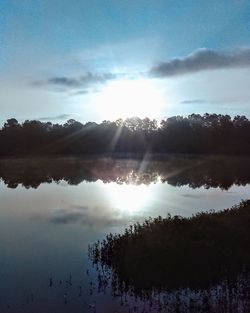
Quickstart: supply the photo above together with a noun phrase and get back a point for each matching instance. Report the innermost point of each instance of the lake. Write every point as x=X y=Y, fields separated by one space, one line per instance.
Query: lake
x=51 y=210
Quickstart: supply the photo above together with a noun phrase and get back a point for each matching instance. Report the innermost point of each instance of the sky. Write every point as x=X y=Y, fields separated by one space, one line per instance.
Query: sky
x=104 y=59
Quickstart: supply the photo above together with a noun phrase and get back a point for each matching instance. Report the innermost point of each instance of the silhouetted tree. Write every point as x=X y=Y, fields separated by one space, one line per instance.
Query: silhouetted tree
x=207 y=134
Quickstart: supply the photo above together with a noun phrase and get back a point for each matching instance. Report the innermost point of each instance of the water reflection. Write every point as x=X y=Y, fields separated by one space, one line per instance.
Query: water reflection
x=228 y=295
x=52 y=209
x=222 y=172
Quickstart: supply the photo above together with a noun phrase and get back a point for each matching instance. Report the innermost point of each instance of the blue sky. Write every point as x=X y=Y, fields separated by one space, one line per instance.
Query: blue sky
x=64 y=59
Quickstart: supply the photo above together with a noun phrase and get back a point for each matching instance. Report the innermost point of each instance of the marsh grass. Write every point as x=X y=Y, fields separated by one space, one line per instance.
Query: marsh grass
x=174 y=252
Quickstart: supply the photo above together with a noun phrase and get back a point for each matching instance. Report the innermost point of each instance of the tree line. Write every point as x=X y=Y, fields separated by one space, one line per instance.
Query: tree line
x=195 y=134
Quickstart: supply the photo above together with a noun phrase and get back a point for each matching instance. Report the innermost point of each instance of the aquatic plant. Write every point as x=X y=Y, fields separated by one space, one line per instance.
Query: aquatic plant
x=173 y=252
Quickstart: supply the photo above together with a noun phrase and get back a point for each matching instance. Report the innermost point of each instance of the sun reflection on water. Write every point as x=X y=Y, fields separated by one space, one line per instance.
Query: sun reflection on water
x=129 y=198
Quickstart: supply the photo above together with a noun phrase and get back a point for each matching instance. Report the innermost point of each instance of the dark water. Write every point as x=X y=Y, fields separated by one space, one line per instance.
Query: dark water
x=52 y=209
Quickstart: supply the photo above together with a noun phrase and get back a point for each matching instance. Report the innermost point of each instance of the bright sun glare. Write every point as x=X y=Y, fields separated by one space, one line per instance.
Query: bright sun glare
x=126 y=197
x=127 y=98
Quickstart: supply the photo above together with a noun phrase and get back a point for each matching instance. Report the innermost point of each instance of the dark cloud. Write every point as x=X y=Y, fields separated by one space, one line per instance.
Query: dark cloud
x=84 y=92
x=193 y=101
x=63 y=81
x=81 y=92
x=201 y=60
x=79 y=82
x=57 y=117
x=192 y=196
x=71 y=217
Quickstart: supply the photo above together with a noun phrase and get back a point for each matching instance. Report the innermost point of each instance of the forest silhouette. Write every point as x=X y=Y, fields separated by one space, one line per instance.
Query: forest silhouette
x=195 y=134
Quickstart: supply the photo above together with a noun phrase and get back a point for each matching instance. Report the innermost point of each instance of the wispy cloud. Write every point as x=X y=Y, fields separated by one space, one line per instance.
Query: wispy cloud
x=77 y=214
x=68 y=215
x=82 y=82
x=201 y=60
x=193 y=101
x=57 y=117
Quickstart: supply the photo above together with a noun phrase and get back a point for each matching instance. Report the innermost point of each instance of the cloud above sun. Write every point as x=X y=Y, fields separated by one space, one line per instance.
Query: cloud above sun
x=59 y=59
x=84 y=81
x=202 y=60
x=197 y=61
x=159 y=89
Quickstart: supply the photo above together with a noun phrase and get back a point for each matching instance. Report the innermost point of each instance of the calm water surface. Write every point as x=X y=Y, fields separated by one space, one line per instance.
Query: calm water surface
x=52 y=209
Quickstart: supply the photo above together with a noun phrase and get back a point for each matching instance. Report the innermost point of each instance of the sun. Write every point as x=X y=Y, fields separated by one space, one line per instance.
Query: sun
x=127 y=98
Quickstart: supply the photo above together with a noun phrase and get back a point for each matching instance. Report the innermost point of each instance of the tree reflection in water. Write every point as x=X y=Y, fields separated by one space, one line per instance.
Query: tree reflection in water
x=195 y=172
